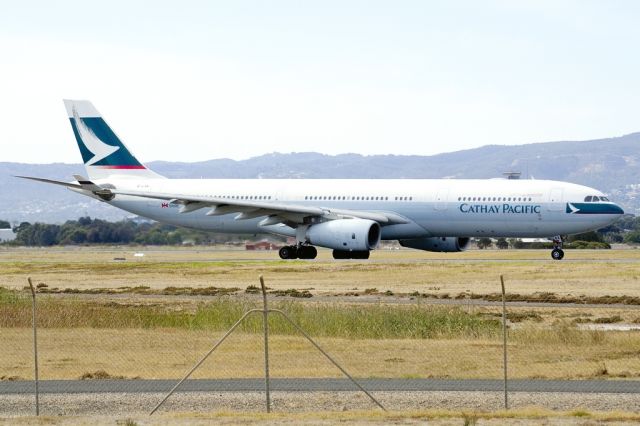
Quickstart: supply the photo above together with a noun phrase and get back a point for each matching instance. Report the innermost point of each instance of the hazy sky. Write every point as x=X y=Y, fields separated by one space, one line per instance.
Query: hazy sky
x=196 y=80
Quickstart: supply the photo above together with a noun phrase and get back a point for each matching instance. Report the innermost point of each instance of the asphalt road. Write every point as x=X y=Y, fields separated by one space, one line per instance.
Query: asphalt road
x=326 y=385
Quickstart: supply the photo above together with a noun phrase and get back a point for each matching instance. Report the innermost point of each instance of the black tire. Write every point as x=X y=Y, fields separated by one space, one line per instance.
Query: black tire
x=360 y=254
x=313 y=252
x=340 y=254
x=557 y=254
x=307 y=252
x=288 y=252
x=343 y=254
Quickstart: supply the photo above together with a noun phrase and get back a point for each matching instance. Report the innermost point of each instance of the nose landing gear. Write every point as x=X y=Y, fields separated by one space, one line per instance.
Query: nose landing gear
x=557 y=253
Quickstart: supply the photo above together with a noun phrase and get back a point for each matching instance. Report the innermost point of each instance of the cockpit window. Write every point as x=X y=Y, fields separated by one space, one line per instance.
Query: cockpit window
x=595 y=199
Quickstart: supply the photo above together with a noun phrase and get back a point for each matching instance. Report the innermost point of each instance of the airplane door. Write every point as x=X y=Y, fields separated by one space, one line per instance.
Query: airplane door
x=556 y=199
x=442 y=197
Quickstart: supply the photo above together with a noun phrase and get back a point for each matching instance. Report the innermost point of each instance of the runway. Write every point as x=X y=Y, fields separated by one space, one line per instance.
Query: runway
x=321 y=385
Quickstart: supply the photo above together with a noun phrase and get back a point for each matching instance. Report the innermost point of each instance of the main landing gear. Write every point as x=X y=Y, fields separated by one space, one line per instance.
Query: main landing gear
x=344 y=254
x=557 y=253
x=298 y=252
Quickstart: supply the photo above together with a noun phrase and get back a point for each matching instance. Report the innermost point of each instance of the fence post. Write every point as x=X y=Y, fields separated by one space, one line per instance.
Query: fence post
x=266 y=344
x=504 y=342
x=35 y=345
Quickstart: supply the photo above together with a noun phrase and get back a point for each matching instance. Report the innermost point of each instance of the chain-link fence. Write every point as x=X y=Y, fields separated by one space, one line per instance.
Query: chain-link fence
x=100 y=354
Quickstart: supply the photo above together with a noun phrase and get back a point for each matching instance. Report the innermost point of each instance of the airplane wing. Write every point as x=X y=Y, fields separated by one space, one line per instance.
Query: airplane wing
x=274 y=212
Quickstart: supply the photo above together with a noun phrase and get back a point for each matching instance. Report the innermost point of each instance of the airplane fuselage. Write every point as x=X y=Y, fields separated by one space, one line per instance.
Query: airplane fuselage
x=442 y=207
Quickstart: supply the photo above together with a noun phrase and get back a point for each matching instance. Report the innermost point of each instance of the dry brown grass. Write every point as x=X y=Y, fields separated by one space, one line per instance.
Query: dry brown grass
x=592 y=273
x=520 y=417
x=168 y=353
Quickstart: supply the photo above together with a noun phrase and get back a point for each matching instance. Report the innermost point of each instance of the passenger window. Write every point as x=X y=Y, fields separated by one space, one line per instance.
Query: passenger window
x=588 y=199
x=604 y=198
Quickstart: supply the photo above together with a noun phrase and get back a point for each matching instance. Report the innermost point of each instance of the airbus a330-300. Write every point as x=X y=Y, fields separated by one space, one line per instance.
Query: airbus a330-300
x=350 y=216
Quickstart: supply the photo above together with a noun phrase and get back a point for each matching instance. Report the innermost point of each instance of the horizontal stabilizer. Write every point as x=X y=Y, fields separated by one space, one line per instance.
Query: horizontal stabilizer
x=55 y=182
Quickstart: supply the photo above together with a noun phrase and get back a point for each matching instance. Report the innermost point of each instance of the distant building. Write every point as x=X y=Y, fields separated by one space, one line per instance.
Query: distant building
x=261 y=245
x=7 y=235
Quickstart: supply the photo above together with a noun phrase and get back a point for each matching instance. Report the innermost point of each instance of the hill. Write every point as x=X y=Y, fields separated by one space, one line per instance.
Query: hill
x=611 y=165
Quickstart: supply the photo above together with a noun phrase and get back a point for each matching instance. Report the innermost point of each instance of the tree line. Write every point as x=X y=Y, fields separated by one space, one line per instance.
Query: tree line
x=97 y=231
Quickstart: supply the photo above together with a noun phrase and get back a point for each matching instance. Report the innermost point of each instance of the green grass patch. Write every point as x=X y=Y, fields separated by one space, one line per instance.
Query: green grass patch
x=318 y=319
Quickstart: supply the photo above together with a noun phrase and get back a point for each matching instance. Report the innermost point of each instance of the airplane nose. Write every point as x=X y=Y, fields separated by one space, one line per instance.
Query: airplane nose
x=617 y=209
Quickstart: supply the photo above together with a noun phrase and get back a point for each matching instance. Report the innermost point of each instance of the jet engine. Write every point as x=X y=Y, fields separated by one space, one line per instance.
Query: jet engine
x=345 y=234
x=441 y=244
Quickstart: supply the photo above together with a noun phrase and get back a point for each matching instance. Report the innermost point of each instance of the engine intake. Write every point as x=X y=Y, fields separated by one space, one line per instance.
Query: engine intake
x=441 y=244
x=345 y=234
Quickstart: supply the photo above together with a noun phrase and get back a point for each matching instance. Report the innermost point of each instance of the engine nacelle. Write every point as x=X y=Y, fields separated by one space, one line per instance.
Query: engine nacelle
x=345 y=234
x=442 y=244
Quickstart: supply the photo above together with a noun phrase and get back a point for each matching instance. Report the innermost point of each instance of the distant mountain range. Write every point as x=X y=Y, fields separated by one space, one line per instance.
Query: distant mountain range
x=611 y=165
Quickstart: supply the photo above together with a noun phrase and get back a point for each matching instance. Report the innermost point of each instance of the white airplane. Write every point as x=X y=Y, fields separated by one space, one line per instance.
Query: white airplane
x=350 y=216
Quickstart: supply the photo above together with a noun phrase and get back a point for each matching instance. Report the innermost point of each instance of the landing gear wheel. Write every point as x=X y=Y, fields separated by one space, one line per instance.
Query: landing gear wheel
x=288 y=252
x=307 y=252
x=557 y=254
x=360 y=254
x=343 y=254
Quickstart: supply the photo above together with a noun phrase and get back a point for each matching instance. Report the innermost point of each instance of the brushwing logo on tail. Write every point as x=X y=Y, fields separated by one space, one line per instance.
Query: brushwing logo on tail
x=99 y=149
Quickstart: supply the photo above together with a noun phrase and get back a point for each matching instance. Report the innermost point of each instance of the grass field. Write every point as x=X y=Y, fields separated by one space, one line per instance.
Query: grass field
x=520 y=417
x=154 y=316
x=134 y=337
x=169 y=353
x=583 y=272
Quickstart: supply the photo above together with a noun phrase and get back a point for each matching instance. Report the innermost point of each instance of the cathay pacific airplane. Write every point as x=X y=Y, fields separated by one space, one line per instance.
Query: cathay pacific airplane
x=350 y=216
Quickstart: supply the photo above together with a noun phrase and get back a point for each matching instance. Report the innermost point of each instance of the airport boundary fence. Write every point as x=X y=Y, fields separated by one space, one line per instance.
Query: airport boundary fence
x=100 y=354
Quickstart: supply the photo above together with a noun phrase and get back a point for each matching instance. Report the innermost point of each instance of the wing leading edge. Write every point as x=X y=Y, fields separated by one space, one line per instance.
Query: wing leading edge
x=274 y=212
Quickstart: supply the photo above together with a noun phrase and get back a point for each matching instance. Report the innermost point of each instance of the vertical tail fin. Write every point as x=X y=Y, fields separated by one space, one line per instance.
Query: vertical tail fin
x=103 y=153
